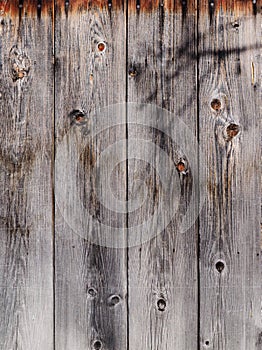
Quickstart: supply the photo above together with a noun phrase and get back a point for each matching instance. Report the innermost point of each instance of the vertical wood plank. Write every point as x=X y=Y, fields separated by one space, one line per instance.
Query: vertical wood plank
x=90 y=283
x=230 y=255
x=162 y=271
x=26 y=146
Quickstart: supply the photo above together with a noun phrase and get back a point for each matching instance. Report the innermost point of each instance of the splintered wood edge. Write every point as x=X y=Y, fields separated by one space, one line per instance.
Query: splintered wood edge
x=44 y=7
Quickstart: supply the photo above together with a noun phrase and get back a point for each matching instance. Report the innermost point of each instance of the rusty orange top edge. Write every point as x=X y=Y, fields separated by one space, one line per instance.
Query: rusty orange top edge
x=33 y=7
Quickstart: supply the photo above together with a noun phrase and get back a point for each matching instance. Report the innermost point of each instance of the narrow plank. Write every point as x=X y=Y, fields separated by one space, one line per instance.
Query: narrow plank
x=90 y=278
x=230 y=254
x=162 y=258
x=26 y=146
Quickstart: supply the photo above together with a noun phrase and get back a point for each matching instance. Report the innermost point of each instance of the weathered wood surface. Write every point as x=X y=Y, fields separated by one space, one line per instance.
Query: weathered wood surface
x=67 y=280
x=230 y=238
x=26 y=145
x=90 y=279
x=162 y=279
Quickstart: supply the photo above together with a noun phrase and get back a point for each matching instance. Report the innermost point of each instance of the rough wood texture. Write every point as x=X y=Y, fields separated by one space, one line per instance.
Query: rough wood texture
x=26 y=220
x=230 y=256
x=181 y=290
x=90 y=282
x=162 y=279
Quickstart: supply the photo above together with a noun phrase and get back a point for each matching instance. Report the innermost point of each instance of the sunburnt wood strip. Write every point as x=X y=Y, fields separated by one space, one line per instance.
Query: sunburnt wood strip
x=26 y=146
x=230 y=250
x=90 y=281
x=246 y=6
x=162 y=266
x=35 y=7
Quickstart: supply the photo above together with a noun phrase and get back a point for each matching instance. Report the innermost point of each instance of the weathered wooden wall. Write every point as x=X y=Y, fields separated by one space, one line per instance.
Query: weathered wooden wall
x=68 y=283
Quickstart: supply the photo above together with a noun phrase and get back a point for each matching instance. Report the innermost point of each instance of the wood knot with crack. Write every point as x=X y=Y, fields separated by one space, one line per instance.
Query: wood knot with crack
x=19 y=63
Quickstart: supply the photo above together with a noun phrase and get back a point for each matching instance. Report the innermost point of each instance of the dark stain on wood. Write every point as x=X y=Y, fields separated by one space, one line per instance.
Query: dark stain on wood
x=255 y=7
x=184 y=9
x=39 y=8
x=259 y=340
x=211 y=9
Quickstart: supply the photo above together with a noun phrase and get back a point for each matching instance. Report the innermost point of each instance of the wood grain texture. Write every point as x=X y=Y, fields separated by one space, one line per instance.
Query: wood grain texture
x=90 y=282
x=162 y=278
x=230 y=252
x=26 y=220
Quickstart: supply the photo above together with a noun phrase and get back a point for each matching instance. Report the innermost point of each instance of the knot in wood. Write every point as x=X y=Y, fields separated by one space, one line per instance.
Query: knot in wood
x=114 y=300
x=19 y=63
x=161 y=304
x=101 y=46
x=220 y=266
x=92 y=292
x=77 y=117
x=97 y=345
x=232 y=131
x=216 y=104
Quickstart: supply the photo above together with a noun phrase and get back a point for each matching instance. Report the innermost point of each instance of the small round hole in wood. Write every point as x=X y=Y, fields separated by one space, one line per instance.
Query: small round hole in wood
x=216 y=104
x=97 y=345
x=207 y=343
x=220 y=266
x=101 y=46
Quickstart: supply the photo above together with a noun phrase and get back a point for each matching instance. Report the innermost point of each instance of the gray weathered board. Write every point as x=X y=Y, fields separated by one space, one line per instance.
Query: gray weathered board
x=85 y=262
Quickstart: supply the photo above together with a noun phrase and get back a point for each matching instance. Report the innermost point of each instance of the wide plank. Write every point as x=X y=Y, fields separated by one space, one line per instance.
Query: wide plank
x=90 y=272
x=230 y=236
x=162 y=256
x=26 y=159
